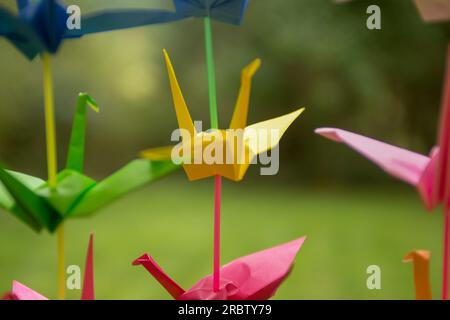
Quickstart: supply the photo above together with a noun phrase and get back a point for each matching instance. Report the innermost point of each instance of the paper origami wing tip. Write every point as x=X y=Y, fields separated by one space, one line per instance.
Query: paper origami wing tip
x=250 y=70
x=183 y=116
x=328 y=133
x=166 y=57
x=298 y=112
x=139 y=261
x=157 y=154
x=89 y=101
x=417 y=254
x=408 y=166
x=22 y=292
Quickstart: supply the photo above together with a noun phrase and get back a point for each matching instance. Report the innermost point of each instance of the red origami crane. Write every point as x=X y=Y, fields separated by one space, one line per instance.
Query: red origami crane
x=253 y=277
x=22 y=292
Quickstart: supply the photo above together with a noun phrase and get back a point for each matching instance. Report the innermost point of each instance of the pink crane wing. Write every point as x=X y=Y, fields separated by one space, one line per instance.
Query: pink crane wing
x=22 y=292
x=400 y=163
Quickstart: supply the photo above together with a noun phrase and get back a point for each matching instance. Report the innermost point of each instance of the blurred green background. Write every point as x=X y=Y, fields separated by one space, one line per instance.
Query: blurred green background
x=316 y=54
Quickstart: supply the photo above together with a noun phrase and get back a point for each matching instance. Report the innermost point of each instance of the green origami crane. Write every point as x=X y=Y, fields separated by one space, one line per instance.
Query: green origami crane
x=31 y=200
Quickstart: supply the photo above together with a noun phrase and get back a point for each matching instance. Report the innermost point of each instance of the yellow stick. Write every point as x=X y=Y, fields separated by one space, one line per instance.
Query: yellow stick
x=52 y=163
x=50 y=121
x=61 y=264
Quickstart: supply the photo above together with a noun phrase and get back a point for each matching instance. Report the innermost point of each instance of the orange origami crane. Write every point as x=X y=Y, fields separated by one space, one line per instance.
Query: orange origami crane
x=421 y=261
x=234 y=149
x=22 y=292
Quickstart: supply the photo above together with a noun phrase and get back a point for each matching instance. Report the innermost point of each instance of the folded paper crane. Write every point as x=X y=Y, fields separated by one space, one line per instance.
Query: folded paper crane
x=421 y=265
x=429 y=174
x=413 y=168
x=253 y=277
x=41 y=25
x=22 y=292
x=237 y=146
x=228 y=11
x=31 y=200
x=434 y=10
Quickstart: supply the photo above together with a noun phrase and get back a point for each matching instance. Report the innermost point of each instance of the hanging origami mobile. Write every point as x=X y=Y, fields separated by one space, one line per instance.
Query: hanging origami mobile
x=231 y=12
x=22 y=292
x=39 y=29
x=253 y=277
x=421 y=265
x=210 y=9
x=228 y=11
x=430 y=175
x=245 y=149
x=75 y=195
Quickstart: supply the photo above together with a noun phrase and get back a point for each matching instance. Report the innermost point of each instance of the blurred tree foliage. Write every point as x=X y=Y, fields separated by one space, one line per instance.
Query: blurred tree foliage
x=316 y=54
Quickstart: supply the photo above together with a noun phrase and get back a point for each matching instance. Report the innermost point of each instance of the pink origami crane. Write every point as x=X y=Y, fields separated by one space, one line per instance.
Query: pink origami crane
x=253 y=277
x=429 y=174
x=21 y=292
x=434 y=10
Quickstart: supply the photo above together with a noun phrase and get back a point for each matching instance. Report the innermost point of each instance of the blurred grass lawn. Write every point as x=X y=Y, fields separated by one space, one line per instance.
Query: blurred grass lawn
x=347 y=230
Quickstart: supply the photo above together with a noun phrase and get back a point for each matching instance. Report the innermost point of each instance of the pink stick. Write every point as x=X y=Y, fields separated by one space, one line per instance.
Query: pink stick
x=88 y=285
x=217 y=201
x=446 y=246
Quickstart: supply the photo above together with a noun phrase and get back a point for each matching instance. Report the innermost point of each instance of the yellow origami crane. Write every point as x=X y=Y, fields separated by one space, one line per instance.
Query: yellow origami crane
x=226 y=153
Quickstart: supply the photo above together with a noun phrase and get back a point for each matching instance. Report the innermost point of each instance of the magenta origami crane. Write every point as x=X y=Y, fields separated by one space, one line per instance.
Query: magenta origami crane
x=429 y=174
x=22 y=292
x=253 y=277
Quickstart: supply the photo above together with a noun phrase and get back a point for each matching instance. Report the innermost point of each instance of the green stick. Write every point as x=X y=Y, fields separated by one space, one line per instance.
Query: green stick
x=211 y=74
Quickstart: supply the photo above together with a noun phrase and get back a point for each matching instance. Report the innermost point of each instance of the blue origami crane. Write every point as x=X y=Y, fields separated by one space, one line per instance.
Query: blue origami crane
x=228 y=11
x=41 y=25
